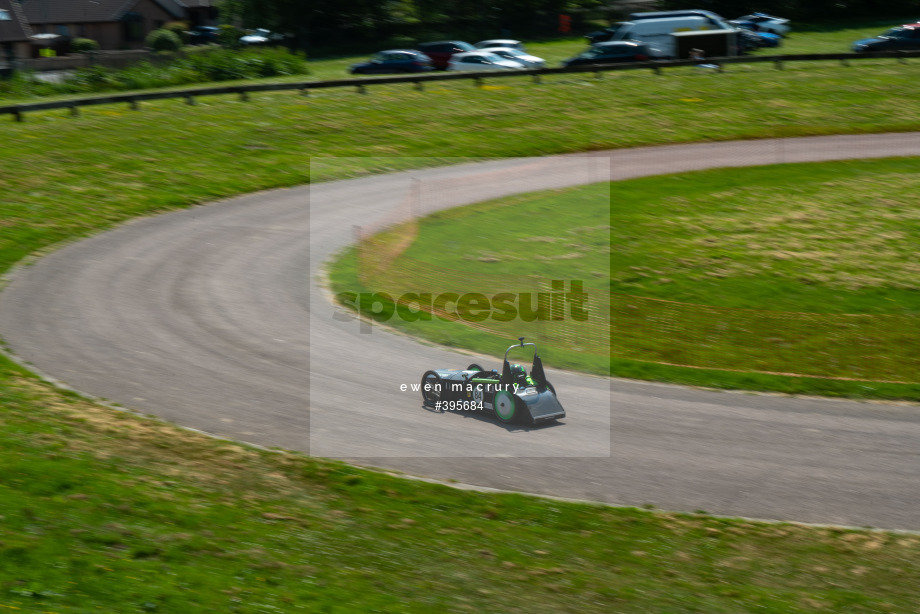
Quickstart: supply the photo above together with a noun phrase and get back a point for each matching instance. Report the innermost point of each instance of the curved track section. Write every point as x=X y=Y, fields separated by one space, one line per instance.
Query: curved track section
x=212 y=317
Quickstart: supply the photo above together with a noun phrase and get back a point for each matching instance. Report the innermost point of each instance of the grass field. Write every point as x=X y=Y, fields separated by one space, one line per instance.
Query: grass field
x=104 y=511
x=55 y=164
x=835 y=238
x=827 y=237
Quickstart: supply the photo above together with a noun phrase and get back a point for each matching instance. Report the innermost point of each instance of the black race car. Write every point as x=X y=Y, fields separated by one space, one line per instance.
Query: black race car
x=512 y=395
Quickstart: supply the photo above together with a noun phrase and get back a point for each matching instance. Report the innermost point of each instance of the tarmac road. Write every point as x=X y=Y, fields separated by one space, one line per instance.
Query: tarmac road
x=213 y=318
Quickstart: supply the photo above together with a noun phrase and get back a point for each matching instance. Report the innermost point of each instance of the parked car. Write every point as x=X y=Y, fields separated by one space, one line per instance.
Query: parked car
x=769 y=39
x=481 y=61
x=393 y=61
x=260 y=36
x=202 y=35
x=441 y=52
x=749 y=39
x=611 y=52
x=761 y=22
x=901 y=37
x=657 y=32
x=516 y=55
x=505 y=43
x=600 y=36
x=692 y=19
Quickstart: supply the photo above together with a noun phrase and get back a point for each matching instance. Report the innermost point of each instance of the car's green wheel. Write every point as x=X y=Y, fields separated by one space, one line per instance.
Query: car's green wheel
x=474 y=367
x=431 y=388
x=504 y=405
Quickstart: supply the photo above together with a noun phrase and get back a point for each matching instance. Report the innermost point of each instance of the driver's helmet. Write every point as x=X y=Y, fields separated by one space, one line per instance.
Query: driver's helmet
x=518 y=373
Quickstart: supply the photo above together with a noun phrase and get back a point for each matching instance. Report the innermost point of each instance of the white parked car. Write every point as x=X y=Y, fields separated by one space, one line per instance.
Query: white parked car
x=516 y=55
x=761 y=22
x=481 y=60
x=260 y=36
x=505 y=43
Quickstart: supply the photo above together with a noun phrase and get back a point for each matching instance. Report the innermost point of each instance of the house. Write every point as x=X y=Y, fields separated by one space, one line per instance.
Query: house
x=14 y=33
x=200 y=12
x=114 y=24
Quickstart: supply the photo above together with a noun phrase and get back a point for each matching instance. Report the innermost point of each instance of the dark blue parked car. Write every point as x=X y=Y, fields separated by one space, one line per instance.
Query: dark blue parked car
x=611 y=52
x=902 y=37
x=394 y=61
x=203 y=35
x=750 y=38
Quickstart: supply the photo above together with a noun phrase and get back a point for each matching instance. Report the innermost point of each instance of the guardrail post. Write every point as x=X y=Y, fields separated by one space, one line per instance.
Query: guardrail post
x=656 y=70
x=477 y=80
x=132 y=104
x=361 y=89
x=74 y=111
x=598 y=75
x=305 y=91
x=901 y=59
x=778 y=64
x=244 y=95
x=189 y=99
x=17 y=115
x=537 y=79
x=419 y=86
x=844 y=62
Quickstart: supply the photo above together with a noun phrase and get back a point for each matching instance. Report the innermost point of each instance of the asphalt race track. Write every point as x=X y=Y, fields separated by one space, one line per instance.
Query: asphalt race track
x=213 y=318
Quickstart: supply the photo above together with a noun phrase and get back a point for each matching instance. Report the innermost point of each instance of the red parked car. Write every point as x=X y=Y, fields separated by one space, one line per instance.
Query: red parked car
x=440 y=52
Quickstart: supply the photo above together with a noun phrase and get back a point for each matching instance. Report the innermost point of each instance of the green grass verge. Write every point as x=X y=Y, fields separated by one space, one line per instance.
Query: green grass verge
x=104 y=511
x=840 y=240
x=65 y=176
x=833 y=237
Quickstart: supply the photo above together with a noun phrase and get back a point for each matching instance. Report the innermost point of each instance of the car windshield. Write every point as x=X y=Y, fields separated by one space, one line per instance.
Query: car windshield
x=622 y=32
x=509 y=52
x=595 y=52
x=892 y=33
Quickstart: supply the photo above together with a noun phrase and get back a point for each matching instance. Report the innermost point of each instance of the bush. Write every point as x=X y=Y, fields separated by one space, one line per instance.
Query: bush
x=180 y=28
x=227 y=64
x=23 y=85
x=90 y=79
x=229 y=36
x=83 y=45
x=176 y=26
x=216 y=65
x=163 y=40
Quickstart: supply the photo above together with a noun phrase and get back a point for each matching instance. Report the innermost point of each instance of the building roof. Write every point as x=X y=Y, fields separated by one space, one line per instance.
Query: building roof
x=87 y=11
x=13 y=24
x=196 y=4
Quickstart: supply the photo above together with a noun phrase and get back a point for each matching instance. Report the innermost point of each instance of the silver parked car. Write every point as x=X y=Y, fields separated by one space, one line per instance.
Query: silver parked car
x=505 y=43
x=761 y=22
x=516 y=55
x=481 y=61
